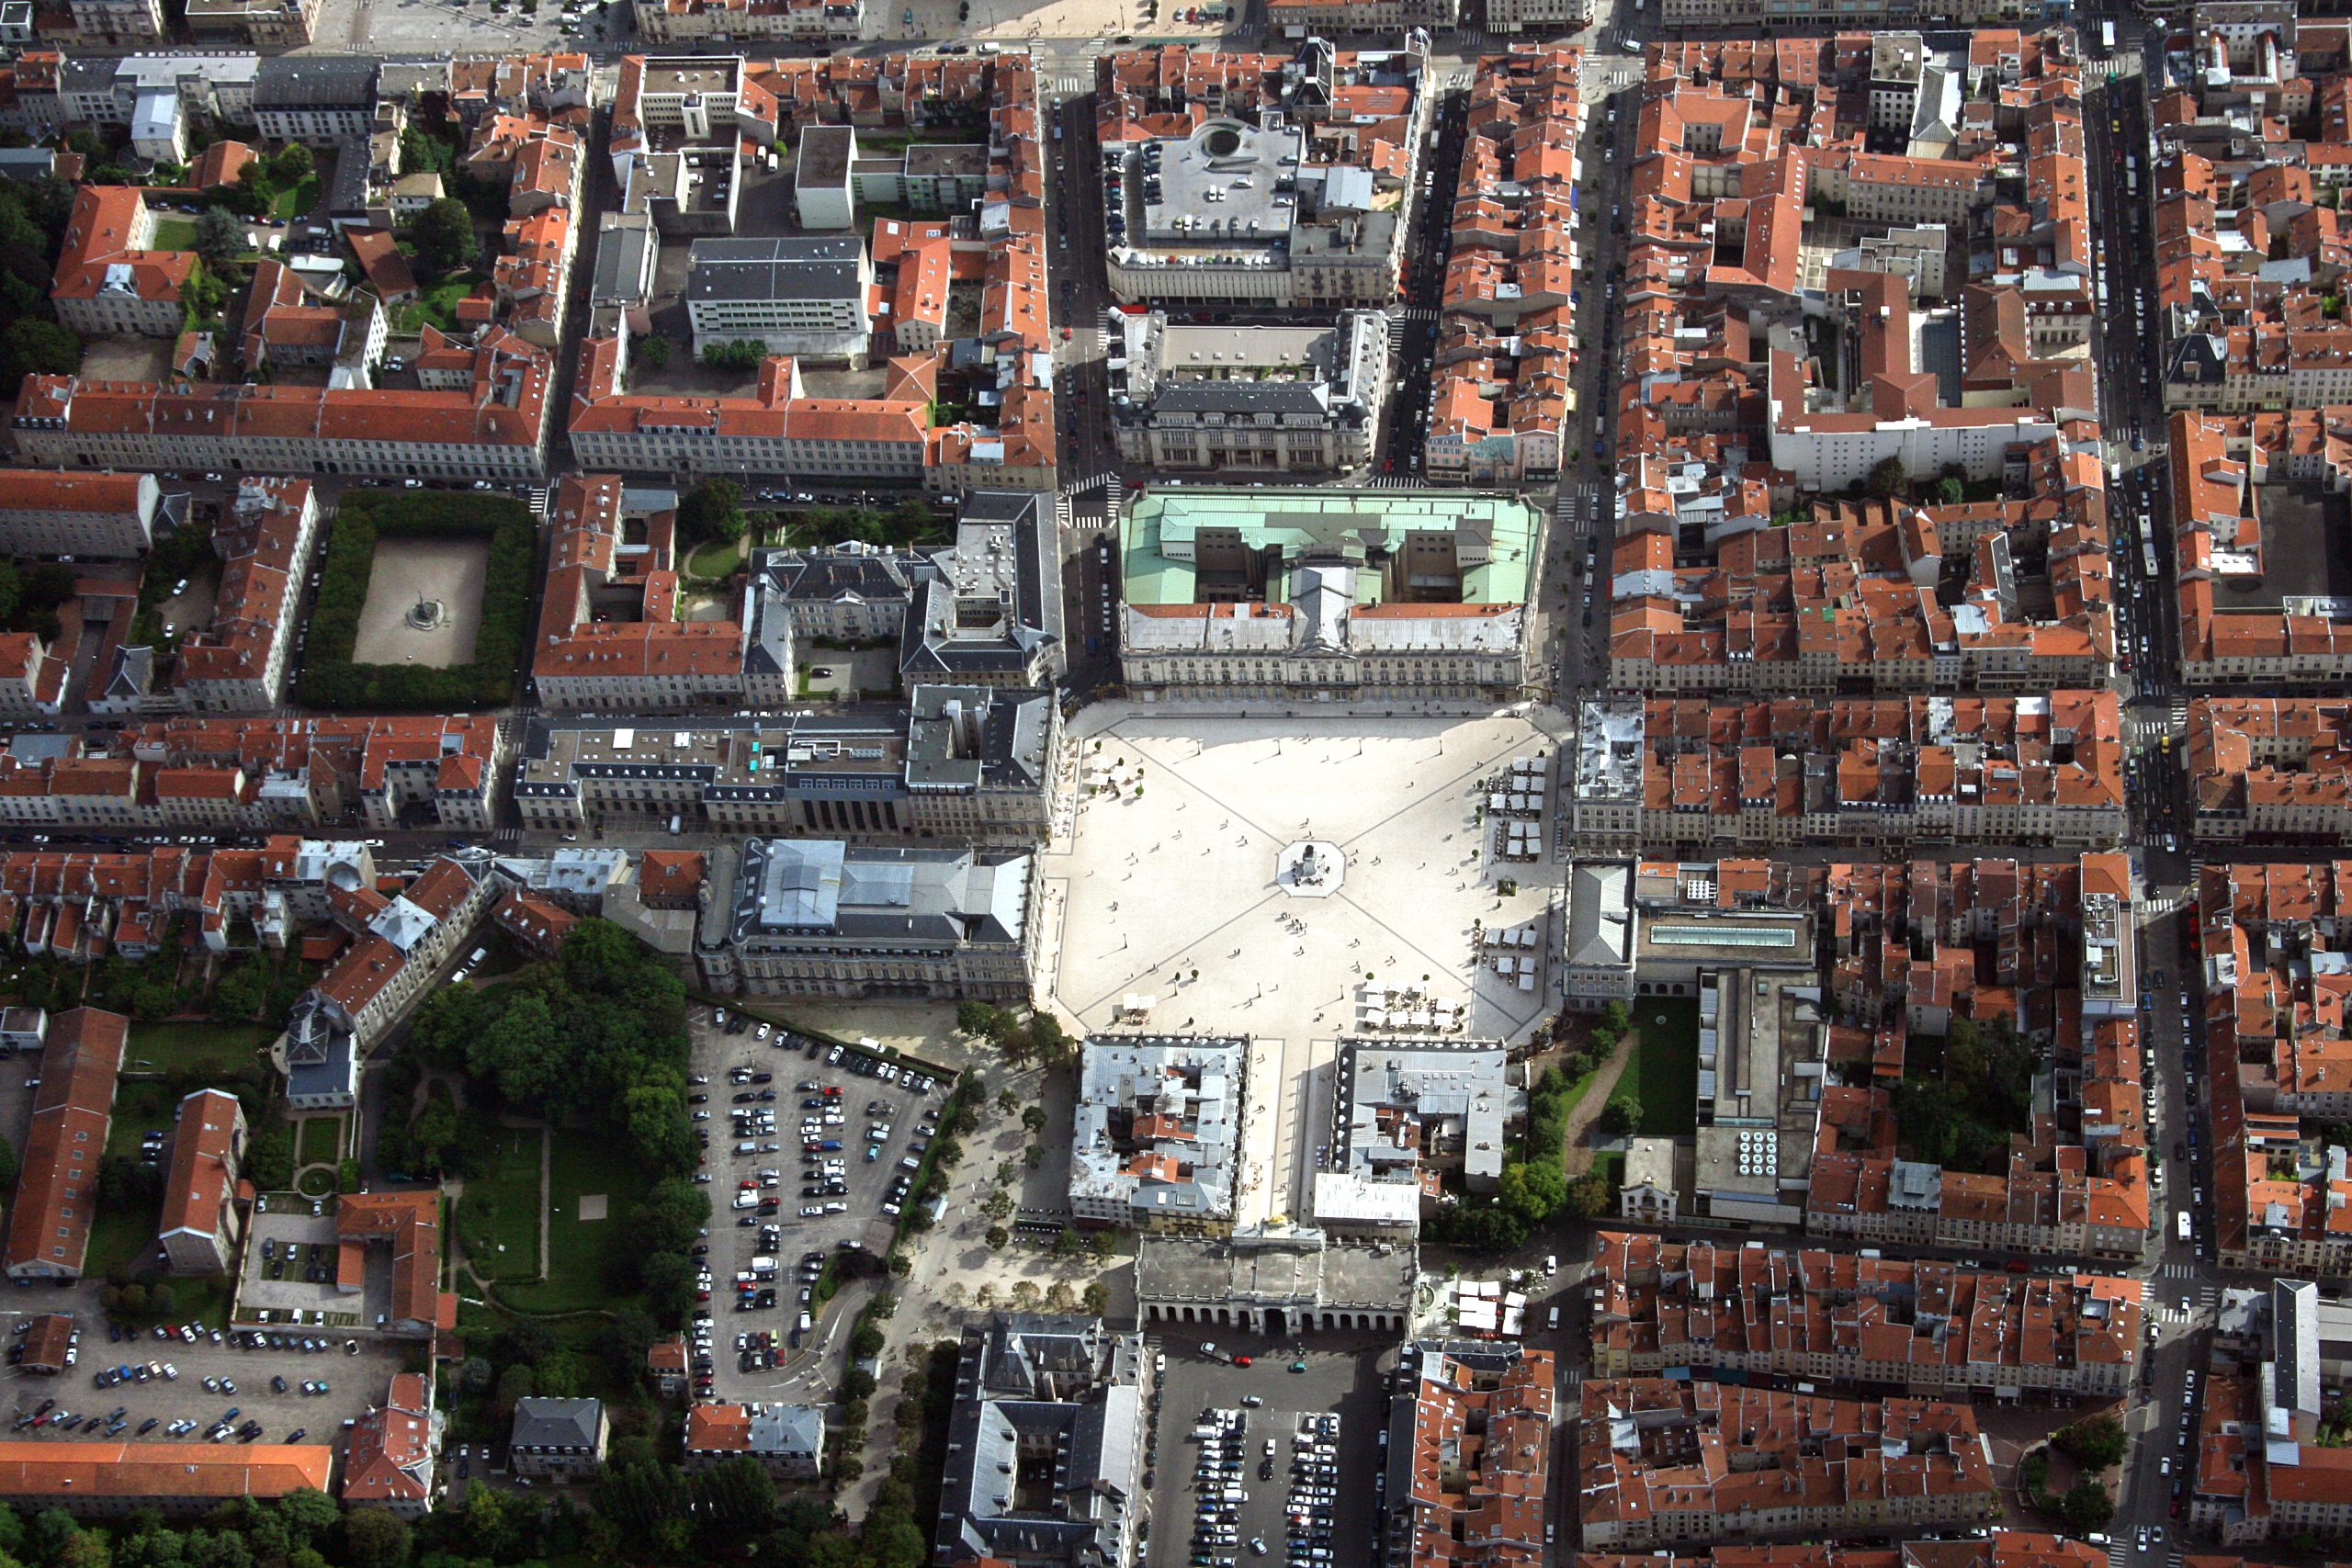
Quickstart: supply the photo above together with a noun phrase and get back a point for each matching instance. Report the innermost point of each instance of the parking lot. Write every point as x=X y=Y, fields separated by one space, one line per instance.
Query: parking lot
x=1343 y=1385
x=768 y=1103
x=355 y=1373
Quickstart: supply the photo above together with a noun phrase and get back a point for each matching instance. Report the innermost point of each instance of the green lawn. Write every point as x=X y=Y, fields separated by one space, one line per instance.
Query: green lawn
x=175 y=235
x=580 y=1252
x=140 y=1108
x=321 y=1141
x=502 y=1209
x=439 y=306
x=121 y=1237
x=195 y=1048
x=1663 y=1068
x=715 y=559
x=296 y=200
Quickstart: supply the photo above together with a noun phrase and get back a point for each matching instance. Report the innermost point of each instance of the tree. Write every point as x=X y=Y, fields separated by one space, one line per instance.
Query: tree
x=220 y=238
x=865 y=1342
x=997 y=1237
x=1621 y=1115
x=2086 y=1507
x=1590 y=1197
x=713 y=509
x=291 y=165
x=979 y=1020
x=1951 y=490
x=1888 y=480
x=2096 y=1443
x=34 y=347
x=743 y=353
x=443 y=237
x=1098 y=1299
x=203 y=294
x=653 y=353
x=517 y=1382
x=374 y=1538
x=254 y=190
x=667 y=1218
x=269 y=1157
x=1033 y=1118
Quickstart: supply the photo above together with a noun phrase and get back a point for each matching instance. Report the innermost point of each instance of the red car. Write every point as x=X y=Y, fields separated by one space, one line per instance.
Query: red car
x=1240 y=1360
x=1065 y=334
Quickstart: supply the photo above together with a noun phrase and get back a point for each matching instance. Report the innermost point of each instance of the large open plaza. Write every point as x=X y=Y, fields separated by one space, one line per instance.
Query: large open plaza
x=1176 y=907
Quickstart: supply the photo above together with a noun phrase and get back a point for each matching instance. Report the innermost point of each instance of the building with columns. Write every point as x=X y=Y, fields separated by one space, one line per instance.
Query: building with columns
x=1274 y=1284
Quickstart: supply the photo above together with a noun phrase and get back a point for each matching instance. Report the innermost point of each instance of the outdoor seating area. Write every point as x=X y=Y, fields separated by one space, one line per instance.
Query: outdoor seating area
x=1408 y=1010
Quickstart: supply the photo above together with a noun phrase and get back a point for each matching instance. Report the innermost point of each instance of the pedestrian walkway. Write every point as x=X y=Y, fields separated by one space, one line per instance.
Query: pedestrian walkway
x=1072 y=86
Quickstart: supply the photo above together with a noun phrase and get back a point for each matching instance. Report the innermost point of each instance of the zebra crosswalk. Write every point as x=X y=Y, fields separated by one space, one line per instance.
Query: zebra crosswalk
x=2180 y=713
x=1397 y=481
x=538 y=497
x=1114 y=495
x=1070 y=86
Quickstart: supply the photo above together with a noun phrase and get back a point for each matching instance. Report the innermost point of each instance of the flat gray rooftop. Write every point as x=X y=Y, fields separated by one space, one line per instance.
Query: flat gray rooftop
x=1227 y=180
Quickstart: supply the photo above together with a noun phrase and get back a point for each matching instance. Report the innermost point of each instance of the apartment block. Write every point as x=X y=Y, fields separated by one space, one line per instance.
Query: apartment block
x=485 y=420
x=117 y=23
x=95 y=1480
x=612 y=631
x=971 y=764
x=323 y=100
x=259 y=774
x=1325 y=596
x=238 y=664
x=1065 y=1386
x=267 y=24
x=1188 y=396
x=1011 y=438
x=1664 y=1461
x=1156 y=1141
x=563 y=1438
x=1752 y=611
x=389 y=1456
x=2270 y=767
x=201 y=1223
x=2281 y=1201
x=682 y=21
x=1270 y=178
x=807 y=295
x=2252 y=498
x=1409 y=1112
x=1507 y=337
x=398 y=943
x=786 y=1440
x=1986 y=1548
x=43 y=512
x=109 y=280
x=1926 y=1328
x=1890 y=769
x=57 y=1194
x=821 y=918
x=2263 y=1468
x=1469 y=1456
x=1811 y=982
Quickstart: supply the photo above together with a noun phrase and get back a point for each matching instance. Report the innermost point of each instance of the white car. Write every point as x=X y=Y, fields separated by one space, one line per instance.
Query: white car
x=811 y=1211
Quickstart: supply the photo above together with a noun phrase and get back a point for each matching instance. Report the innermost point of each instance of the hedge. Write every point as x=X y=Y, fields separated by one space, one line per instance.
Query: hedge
x=330 y=680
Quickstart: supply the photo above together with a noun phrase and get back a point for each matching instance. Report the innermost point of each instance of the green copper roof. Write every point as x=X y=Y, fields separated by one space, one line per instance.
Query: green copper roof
x=1497 y=536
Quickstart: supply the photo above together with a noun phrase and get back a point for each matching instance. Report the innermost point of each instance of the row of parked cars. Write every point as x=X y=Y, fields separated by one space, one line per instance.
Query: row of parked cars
x=1313 y=1486
x=1217 y=1483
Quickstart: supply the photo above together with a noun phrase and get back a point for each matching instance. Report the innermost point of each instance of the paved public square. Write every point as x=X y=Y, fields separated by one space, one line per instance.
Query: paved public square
x=448 y=572
x=1167 y=892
